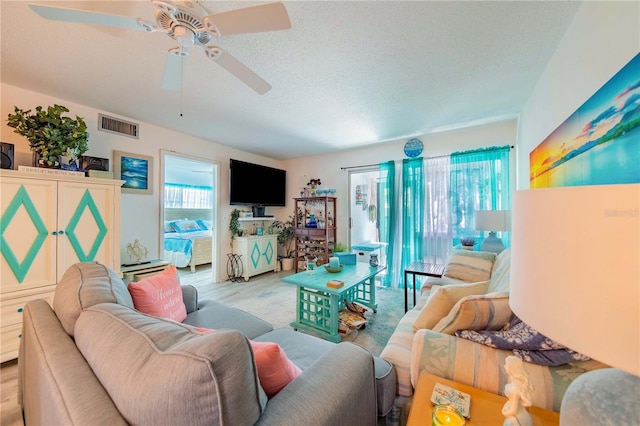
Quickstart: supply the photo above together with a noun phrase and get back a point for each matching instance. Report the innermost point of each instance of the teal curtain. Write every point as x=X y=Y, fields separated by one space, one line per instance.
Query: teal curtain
x=387 y=216
x=479 y=180
x=412 y=211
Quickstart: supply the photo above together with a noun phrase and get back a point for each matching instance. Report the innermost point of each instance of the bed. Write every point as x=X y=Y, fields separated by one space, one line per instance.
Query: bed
x=188 y=237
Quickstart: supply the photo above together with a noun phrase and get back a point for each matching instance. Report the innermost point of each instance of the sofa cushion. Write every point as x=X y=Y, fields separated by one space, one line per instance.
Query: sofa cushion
x=477 y=312
x=159 y=295
x=84 y=285
x=442 y=299
x=470 y=266
x=159 y=371
x=212 y=314
x=501 y=272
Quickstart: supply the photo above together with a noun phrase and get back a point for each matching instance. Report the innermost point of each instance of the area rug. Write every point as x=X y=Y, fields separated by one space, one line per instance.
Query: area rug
x=278 y=306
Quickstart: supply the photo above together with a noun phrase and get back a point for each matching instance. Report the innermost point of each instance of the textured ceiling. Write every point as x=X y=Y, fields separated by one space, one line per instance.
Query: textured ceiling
x=345 y=75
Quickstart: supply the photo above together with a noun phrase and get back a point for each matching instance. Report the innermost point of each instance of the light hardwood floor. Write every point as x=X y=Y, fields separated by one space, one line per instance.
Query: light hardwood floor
x=227 y=292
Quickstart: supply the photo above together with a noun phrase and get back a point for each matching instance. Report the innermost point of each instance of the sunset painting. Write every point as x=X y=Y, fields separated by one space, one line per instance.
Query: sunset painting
x=599 y=143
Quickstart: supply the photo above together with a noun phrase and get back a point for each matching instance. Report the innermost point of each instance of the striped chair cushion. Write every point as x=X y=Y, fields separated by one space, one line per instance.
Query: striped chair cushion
x=470 y=266
x=501 y=272
x=398 y=351
x=444 y=298
x=479 y=312
x=482 y=367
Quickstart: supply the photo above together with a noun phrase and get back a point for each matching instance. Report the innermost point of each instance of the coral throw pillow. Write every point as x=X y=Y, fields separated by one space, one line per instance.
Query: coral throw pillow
x=160 y=295
x=275 y=370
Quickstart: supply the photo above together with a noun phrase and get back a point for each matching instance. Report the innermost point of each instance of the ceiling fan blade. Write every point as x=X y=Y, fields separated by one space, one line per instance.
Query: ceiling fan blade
x=238 y=69
x=86 y=17
x=255 y=19
x=173 y=68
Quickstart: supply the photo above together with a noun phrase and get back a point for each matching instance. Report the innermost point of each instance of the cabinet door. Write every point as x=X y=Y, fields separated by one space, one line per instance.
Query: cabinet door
x=27 y=224
x=86 y=214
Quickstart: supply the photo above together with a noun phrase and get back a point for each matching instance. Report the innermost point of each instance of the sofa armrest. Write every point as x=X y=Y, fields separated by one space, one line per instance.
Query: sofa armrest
x=327 y=392
x=190 y=298
x=482 y=367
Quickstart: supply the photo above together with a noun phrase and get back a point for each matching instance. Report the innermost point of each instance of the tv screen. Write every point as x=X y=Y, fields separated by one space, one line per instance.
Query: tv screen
x=256 y=185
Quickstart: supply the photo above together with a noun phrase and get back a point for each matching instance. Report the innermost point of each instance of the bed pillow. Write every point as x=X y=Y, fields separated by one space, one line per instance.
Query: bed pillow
x=186 y=225
x=168 y=227
x=442 y=300
x=477 y=312
x=160 y=295
x=205 y=225
x=470 y=266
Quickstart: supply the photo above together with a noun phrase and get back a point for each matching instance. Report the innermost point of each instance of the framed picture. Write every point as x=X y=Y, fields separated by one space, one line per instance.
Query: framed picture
x=94 y=163
x=135 y=170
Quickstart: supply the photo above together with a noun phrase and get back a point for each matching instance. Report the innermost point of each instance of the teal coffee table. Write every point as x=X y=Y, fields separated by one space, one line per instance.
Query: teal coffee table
x=318 y=305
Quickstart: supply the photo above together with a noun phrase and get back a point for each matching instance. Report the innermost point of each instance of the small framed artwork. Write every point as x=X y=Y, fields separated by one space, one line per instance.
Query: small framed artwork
x=135 y=170
x=94 y=163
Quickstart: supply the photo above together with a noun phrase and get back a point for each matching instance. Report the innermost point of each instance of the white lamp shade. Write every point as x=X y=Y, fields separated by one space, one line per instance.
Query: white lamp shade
x=575 y=272
x=492 y=220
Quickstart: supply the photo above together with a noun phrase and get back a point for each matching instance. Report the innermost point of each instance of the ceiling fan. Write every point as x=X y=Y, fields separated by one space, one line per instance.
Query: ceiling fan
x=189 y=24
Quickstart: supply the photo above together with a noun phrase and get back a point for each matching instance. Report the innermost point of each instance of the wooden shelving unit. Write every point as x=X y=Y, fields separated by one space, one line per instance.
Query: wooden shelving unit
x=318 y=241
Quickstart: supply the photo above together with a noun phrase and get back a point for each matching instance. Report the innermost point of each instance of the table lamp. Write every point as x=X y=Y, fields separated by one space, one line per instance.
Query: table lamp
x=575 y=277
x=492 y=221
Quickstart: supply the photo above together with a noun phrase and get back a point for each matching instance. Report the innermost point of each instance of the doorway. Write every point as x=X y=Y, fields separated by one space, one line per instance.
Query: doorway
x=189 y=212
x=364 y=224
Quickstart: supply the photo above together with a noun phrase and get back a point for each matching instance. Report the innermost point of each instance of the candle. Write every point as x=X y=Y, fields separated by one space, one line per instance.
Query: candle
x=334 y=262
x=446 y=415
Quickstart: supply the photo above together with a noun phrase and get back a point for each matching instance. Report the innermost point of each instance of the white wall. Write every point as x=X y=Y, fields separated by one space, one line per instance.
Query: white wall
x=140 y=213
x=328 y=167
x=602 y=38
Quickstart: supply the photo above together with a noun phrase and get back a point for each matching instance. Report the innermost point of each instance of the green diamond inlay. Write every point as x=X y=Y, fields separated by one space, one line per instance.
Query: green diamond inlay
x=22 y=199
x=86 y=202
x=268 y=252
x=255 y=255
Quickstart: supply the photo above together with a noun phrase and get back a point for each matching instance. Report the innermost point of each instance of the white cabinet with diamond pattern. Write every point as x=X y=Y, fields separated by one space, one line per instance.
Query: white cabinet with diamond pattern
x=48 y=223
x=258 y=254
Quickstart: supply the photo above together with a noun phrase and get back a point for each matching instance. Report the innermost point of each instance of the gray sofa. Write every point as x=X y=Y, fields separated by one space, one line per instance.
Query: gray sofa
x=93 y=359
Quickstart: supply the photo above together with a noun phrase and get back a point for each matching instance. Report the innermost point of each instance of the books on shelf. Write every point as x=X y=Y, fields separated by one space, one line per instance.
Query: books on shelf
x=50 y=171
x=335 y=283
x=100 y=174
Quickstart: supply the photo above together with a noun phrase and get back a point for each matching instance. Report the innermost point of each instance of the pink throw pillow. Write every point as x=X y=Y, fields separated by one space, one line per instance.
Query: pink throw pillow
x=160 y=295
x=275 y=370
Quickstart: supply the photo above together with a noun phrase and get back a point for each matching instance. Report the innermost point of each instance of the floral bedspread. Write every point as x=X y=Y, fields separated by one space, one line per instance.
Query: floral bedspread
x=525 y=342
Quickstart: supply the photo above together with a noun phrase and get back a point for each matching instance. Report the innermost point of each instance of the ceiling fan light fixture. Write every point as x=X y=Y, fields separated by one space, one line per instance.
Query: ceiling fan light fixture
x=213 y=52
x=166 y=6
x=147 y=25
x=210 y=26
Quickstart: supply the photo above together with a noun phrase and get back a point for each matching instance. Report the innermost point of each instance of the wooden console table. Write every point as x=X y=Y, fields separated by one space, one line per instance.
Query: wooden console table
x=144 y=270
x=419 y=268
x=486 y=407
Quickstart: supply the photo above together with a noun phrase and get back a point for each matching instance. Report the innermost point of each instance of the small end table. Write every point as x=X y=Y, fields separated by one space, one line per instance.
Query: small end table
x=486 y=407
x=419 y=268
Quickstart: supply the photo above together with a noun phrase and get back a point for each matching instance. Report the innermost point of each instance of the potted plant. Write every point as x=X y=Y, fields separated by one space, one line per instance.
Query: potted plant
x=51 y=135
x=234 y=225
x=286 y=238
x=468 y=243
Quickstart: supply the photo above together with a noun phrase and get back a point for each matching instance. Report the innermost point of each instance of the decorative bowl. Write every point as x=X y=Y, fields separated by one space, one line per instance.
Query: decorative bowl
x=334 y=270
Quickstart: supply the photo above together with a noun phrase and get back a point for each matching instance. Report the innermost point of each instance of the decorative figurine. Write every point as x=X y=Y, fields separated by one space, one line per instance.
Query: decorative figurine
x=137 y=251
x=518 y=390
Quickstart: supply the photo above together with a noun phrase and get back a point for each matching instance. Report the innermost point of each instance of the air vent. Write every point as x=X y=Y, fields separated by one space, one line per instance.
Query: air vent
x=120 y=127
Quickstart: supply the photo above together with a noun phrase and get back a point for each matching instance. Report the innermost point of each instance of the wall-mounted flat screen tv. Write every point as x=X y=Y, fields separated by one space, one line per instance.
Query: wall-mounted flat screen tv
x=255 y=185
